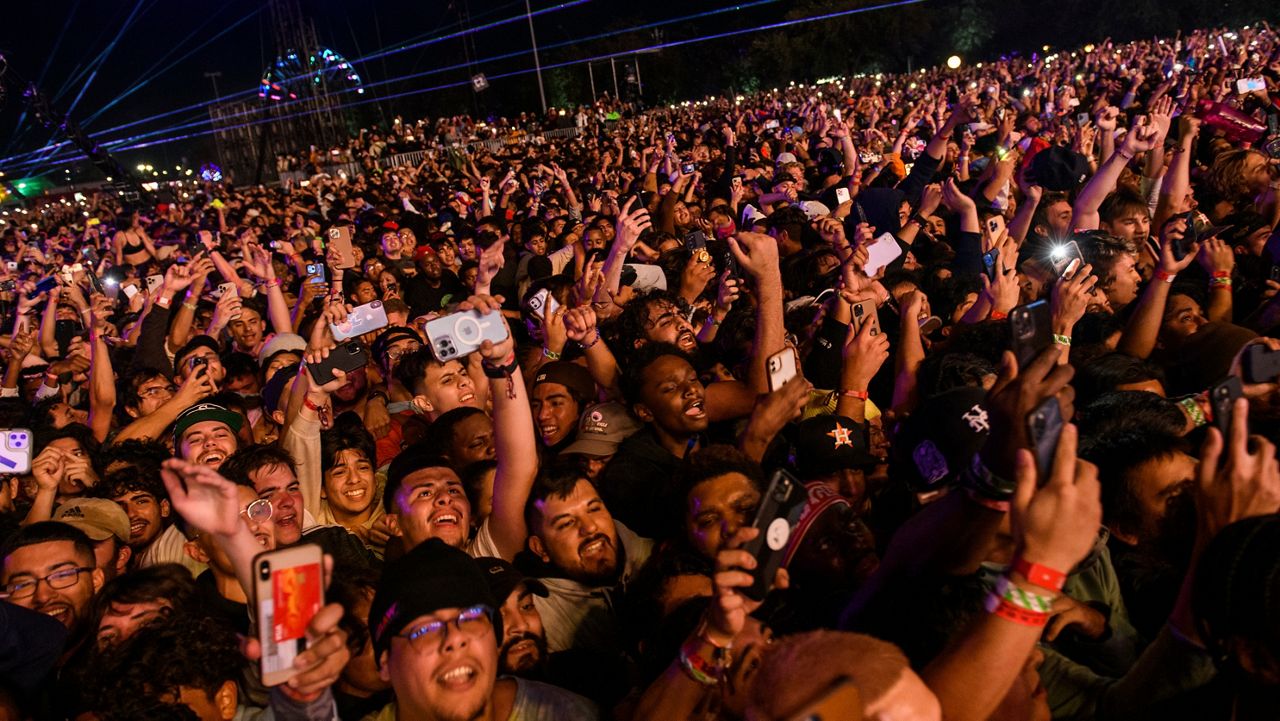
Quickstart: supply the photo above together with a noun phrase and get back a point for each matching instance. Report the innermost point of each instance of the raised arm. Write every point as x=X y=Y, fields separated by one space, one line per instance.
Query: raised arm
x=1084 y=215
x=517 y=449
x=757 y=254
x=102 y=379
x=257 y=261
x=1055 y=527
x=1140 y=333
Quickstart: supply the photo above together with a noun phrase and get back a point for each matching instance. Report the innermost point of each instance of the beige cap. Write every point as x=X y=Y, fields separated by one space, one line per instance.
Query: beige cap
x=99 y=518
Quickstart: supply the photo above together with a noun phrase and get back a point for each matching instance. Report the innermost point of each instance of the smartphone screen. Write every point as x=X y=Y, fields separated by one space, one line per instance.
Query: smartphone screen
x=289 y=585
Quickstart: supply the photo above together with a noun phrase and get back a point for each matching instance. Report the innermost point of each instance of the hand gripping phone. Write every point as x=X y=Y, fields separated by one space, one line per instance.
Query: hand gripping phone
x=461 y=333
x=288 y=592
x=346 y=358
x=779 y=512
x=1031 y=329
x=864 y=311
x=340 y=241
x=362 y=319
x=782 y=367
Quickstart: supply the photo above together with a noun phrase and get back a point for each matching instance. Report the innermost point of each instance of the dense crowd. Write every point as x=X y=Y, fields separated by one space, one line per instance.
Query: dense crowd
x=950 y=394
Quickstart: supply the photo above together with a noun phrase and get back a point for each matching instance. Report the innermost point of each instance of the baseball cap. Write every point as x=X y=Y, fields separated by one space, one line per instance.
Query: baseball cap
x=504 y=578
x=273 y=389
x=940 y=439
x=601 y=429
x=570 y=375
x=784 y=158
x=99 y=518
x=202 y=412
x=431 y=576
x=280 y=343
x=821 y=497
x=1058 y=169
x=391 y=335
x=829 y=443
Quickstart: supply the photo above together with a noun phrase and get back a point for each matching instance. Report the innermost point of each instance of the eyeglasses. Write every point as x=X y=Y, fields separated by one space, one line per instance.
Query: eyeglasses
x=154 y=391
x=395 y=354
x=62 y=578
x=258 y=511
x=472 y=621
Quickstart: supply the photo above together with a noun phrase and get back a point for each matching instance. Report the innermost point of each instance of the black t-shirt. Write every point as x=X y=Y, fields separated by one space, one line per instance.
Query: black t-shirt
x=639 y=486
x=423 y=298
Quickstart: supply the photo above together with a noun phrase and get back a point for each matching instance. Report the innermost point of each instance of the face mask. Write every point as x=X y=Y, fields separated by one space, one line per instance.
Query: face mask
x=725 y=232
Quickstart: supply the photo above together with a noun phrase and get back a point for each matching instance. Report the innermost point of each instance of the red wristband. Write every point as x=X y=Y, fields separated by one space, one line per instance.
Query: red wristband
x=860 y=395
x=998 y=315
x=1221 y=274
x=1039 y=575
x=1009 y=612
x=1163 y=276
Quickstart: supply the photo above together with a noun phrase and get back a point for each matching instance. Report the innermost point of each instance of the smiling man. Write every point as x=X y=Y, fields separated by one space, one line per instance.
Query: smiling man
x=435 y=628
x=560 y=391
x=152 y=539
x=436 y=387
x=49 y=567
x=206 y=433
x=585 y=556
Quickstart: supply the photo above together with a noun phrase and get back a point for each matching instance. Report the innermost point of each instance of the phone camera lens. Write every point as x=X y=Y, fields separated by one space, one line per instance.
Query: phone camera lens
x=264 y=571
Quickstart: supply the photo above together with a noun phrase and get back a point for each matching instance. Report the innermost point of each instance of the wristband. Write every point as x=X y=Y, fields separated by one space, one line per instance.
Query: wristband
x=998 y=315
x=1166 y=277
x=1062 y=340
x=1009 y=612
x=501 y=370
x=162 y=301
x=1124 y=155
x=379 y=394
x=273 y=283
x=1221 y=274
x=1038 y=575
x=1193 y=411
x=550 y=354
x=1025 y=600
x=1220 y=283
x=189 y=305
x=320 y=411
x=860 y=395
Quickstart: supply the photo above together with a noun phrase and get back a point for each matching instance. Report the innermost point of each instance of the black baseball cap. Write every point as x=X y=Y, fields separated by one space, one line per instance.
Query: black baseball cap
x=431 y=576
x=940 y=439
x=504 y=578
x=829 y=443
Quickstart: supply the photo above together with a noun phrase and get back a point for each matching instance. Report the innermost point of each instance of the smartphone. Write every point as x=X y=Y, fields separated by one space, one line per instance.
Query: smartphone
x=1044 y=426
x=44 y=286
x=8 y=286
x=1031 y=329
x=129 y=291
x=64 y=331
x=11 y=264
x=989 y=263
x=288 y=592
x=221 y=290
x=154 y=282
x=15 y=450
x=459 y=334
x=835 y=113
x=782 y=367
x=1222 y=396
x=315 y=273
x=348 y=357
x=995 y=225
x=771 y=125
x=542 y=304
x=777 y=516
x=687 y=168
x=730 y=263
x=838 y=702
x=736 y=181
x=89 y=254
x=1082 y=118
x=864 y=311
x=671 y=138
x=882 y=251
x=362 y=319
x=1062 y=255
x=1250 y=85
x=1259 y=364
x=842 y=196
x=696 y=240
x=340 y=241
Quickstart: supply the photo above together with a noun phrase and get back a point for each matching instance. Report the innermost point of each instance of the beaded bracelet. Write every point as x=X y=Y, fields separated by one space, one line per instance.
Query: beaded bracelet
x=1192 y=408
x=1062 y=340
x=594 y=340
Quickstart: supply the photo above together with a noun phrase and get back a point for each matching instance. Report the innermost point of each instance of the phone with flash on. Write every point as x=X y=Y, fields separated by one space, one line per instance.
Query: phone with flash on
x=288 y=593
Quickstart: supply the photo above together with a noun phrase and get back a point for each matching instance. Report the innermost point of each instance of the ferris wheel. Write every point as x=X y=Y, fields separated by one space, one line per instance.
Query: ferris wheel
x=292 y=75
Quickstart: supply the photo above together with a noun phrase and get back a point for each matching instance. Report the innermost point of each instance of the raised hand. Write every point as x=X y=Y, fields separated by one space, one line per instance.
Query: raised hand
x=756 y=253
x=1246 y=484
x=484 y=304
x=727 y=614
x=317 y=356
x=632 y=223
x=491 y=261
x=202 y=497
x=580 y=324
x=1056 y=524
